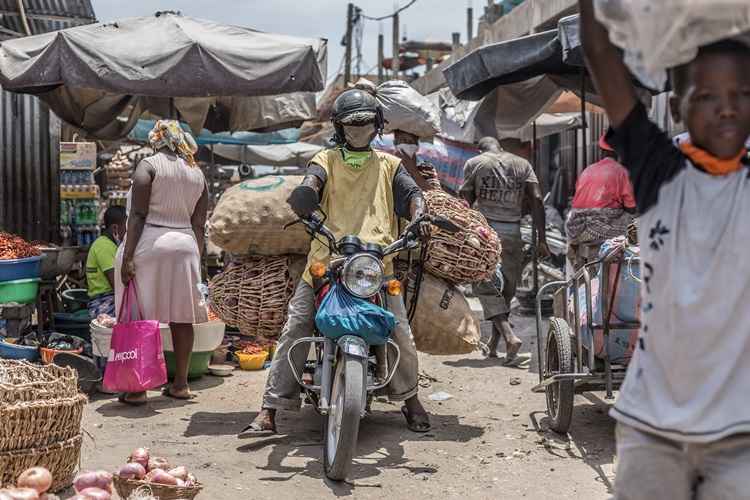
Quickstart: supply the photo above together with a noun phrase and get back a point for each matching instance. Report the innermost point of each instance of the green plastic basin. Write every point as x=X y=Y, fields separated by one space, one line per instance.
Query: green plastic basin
x=19 y=291
x=199 y=362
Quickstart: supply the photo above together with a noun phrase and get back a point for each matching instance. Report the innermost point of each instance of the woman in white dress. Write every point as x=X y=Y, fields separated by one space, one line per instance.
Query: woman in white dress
x=164 y=243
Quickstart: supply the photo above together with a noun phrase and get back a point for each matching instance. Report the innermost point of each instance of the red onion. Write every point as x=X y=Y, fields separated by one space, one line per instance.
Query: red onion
x=98 y=479
x=141 y=456
x=133 y=470
x=36 y=478
x=179 y=472
x=158 y=463
x=161 y=477
x=96 y=494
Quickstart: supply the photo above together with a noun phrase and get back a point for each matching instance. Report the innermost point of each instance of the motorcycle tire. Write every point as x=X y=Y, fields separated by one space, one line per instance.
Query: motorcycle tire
x=341 y=425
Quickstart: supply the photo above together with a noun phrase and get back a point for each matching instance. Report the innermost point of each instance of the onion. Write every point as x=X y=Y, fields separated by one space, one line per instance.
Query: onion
x=98 y=479
x=49 y=496
x=96 y=494
x=141 y=456
x=21 y=494
x=133 y=470
x=158 y=463
x=36 y=478
x=161 y=477
x=179 y=472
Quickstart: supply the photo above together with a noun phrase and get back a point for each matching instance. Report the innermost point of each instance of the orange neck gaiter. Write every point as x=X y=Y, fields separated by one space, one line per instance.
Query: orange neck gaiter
x=709 y=162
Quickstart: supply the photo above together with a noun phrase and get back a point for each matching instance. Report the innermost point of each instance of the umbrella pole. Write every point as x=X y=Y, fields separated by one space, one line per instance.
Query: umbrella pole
x=534 y=233
x=585 y=153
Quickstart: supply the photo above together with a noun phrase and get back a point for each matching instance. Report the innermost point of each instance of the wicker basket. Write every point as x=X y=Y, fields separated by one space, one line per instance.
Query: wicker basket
x=126 y=487
x=468 y=256
x=21 y=381
x=40 y=423
x=252 y=294
x=60 y=459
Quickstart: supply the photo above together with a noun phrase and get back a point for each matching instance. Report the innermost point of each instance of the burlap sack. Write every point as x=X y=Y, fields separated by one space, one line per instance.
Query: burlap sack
x=249 y=219
x=443 y=323
x=468 y=256
x=253 y=293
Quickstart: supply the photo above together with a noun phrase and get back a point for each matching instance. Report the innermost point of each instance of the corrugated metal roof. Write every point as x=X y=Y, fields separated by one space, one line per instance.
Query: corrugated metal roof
x=43 y=16
x=29 y=132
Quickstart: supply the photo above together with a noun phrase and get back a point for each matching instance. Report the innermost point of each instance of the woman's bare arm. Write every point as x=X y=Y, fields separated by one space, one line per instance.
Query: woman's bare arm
x=139 y=203
x=198 y=220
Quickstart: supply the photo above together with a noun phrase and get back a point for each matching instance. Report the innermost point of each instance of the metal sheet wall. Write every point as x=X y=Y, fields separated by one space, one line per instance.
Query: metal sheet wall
x=29 y=168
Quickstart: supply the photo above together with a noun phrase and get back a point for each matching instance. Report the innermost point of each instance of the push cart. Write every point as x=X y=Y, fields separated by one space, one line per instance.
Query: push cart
x=588 y=352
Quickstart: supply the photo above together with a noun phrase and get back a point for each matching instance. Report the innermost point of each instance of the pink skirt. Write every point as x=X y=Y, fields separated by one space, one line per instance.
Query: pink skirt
x=167 y=274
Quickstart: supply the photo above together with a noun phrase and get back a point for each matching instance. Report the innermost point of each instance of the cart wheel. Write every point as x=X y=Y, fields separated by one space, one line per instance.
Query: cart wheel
x=559 y=359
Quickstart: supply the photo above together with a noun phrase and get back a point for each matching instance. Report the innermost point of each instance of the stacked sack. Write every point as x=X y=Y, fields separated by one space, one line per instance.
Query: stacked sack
x=443 y=322
x=253 y=292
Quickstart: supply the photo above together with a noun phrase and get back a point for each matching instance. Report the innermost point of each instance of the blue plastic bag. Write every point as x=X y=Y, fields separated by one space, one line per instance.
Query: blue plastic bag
x=341 y=314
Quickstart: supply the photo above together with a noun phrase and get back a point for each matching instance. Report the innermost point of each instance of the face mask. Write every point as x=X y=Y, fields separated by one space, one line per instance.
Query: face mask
x=359 y=136
x=409 y=149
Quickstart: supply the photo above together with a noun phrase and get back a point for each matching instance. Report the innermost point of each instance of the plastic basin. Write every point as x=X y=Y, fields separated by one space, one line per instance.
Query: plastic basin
x=20 y=269
x=12 y=351
x=75 y=300
x=208 y=336
x=198 y=367
x=252 y=361
x=22 y=291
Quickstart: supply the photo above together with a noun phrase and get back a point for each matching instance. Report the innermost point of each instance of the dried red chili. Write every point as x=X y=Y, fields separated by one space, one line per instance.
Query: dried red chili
x=15 y=247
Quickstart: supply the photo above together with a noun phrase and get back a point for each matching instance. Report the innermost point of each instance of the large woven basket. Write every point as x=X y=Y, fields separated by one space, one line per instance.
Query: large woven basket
x=468 y=256
x=126 y=487
x=60 y=459
x=40 y=423
x=252 y=294
x=21 y=381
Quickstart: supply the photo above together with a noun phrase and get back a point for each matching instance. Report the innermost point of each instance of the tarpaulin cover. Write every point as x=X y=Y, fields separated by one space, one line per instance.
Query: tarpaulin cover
x=507 y=112
x=140 y=132
x=297 y=154
x=92 y=74
x=554 y=52
x=657 y=35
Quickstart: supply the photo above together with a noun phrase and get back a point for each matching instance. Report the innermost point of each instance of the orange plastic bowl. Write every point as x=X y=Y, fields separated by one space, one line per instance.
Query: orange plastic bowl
x=49 y=354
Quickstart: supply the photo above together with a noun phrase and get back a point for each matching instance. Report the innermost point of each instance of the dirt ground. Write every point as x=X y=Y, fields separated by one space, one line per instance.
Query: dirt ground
x=488 y=441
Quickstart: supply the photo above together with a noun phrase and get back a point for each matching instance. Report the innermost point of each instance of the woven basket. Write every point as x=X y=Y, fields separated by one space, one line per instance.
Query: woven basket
x=21 y=381
x=60 y=459
x=40 y=423
x=126 y=487
x=252 y=294
x=468 y=256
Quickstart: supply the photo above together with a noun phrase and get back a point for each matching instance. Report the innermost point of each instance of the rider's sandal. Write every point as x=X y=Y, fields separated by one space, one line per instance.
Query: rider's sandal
x=413 y=425
x=255 y=430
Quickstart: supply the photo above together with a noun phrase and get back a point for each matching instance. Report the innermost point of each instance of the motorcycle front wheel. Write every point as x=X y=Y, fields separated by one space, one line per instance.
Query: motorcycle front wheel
x=341 y=426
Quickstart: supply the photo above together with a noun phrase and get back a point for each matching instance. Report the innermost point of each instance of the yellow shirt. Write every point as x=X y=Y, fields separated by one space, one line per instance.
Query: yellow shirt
x=357 y=201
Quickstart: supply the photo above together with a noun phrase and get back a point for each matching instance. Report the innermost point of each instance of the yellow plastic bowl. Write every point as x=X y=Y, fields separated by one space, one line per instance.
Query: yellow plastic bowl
x=252 y=361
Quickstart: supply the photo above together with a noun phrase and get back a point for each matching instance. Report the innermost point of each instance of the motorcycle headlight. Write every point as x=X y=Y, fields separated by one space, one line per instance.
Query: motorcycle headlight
x=363 y=275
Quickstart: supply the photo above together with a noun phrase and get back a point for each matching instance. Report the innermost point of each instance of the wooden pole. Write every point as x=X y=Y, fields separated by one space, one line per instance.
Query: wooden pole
x=534 y=233
x=396 y=48
x=469 y=24
x=381 y=49
x=348 y=56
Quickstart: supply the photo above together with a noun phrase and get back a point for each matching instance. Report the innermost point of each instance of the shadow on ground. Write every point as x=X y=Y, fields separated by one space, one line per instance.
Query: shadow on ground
x=299 y=452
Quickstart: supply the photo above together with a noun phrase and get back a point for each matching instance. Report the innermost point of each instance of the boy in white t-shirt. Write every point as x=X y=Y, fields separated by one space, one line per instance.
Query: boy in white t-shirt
x=683 y=412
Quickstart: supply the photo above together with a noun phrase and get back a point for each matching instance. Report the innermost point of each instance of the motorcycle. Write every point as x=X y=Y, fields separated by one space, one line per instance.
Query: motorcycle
x=347 y=371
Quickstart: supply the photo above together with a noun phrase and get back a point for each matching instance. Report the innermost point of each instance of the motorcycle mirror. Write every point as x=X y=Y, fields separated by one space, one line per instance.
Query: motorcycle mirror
x=303 y=200
x=446 y=225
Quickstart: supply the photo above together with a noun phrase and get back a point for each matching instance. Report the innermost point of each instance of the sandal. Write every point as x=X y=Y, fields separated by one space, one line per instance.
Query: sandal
x=414 y=422
x=255 y=430
x=167 y=391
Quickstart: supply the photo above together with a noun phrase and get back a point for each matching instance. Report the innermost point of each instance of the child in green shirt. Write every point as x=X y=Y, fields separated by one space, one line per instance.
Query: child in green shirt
x=100 y=263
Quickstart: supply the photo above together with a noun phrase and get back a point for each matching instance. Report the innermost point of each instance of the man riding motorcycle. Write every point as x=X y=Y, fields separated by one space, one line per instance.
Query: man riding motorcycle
x=361 y=191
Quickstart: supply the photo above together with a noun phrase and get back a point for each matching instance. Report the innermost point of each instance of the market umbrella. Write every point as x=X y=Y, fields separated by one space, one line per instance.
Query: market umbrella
x=91 y=75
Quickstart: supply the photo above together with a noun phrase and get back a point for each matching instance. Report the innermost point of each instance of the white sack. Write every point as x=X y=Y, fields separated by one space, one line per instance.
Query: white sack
x=406 y=109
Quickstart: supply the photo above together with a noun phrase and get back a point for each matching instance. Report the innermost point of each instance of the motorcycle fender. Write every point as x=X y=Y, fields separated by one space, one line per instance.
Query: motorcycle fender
x=354 y=346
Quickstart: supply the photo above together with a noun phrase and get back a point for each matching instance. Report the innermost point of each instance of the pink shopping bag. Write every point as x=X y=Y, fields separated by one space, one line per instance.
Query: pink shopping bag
x=136 y=357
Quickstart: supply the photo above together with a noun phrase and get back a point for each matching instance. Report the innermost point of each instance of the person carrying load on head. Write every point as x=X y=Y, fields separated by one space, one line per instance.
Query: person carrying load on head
x=496 y=183
x=362 y=191
x=603 y=207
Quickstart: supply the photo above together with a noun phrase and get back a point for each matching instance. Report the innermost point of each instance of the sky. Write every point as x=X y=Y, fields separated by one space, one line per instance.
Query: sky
x=432 y=20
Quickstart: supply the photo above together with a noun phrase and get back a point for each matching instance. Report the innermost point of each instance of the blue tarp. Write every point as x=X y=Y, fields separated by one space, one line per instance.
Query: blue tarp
x=285 y=136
